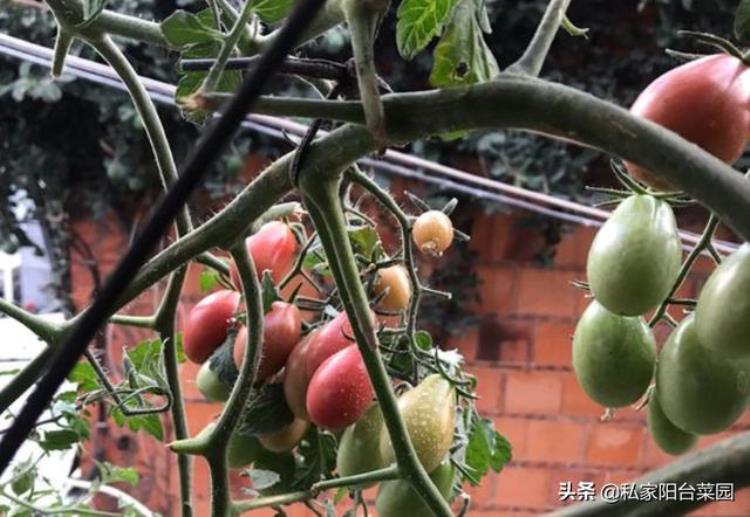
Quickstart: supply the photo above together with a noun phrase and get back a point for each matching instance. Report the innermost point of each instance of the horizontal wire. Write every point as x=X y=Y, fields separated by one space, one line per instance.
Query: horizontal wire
x=393 y=162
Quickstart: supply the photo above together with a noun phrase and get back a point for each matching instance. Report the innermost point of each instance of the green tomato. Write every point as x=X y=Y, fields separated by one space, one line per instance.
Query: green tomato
x=670 y=438
x=359 y=446
x=242 y=450
x=722 y=316
x=635 y=257
x=699 y=390
x=210 y=385
x=429 y=411
x=613 y=356
x=398 y=499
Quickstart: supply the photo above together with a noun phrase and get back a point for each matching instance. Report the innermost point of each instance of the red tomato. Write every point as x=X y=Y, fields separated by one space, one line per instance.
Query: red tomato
x=273 y=248
x=340 y=390
x=207 y=324
x=704 y=101
x=309 y=354
x=282 y=329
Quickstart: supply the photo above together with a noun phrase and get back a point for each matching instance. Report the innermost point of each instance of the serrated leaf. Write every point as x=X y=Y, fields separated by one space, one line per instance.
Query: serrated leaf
x=462 y=57
x=419 y=21
x=267 y=413
x=58 y=440
x=151 y=423
x=144 y=364
x=222 y=360
x=84 y=375
x=182 y=28
x=486 y=449
x=272 y=11
x=742 y=22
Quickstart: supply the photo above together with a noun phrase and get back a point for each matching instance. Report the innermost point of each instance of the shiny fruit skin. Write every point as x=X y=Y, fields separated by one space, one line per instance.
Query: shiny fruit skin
x=397 y=498
x=394 y=280
x=282 y=330
x=210 y=385
x=207 y=324
x=273 y=247
x=359 y=446
x=635 y=257
x=340 y=390
x=722 y=316
x=433 y=232
x=429 y=411
x=670 y=438
x=706 y=102
x=242 y=450
x=613 y=356
x=699 y=390
x=308 y=355
x=286 y=438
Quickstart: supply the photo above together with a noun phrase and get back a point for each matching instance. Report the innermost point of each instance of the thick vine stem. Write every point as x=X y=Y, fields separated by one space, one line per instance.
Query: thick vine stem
x=321 y=198
x=45 y=330
x=363 y=18
x=24 y=379
x=724 y=462
x=532 y=60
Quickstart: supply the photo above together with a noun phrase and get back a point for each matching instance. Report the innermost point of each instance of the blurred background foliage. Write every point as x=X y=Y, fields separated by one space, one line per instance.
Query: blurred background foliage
x=75 y=149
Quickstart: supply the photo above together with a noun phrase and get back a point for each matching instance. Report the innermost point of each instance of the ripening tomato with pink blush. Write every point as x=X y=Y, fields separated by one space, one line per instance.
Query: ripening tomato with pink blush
x=309 y=354
x=207 y=324
x=340 y=390
x=706 y=101
x=282 y=330
x=273 y=247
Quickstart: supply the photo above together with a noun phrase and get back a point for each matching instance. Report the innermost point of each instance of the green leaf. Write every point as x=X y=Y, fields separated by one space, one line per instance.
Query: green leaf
x=364 y=239
x=222 y=360
x=486 y=449
x=462 y=57
x=84 y=375
x=182 y=28
x=269 y=293
x=208 y=279
x=318 y=452
x=272 y=11
x=113 y=474
x=267 y=413
x=58 y=440
x=742 y=22
x=147 y=364
x=24 y=474
x=179 y=343
x=419 y=21
x=151 y=423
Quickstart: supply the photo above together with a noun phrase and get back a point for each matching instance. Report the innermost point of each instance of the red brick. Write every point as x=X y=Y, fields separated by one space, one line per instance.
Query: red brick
x=523 y=487
x=555 y=441
x=481 y=237
x=497 y=289
x=489 y=385
x=546 y=292
x=503 y=236
x=484 y=494
x=200 y=414
x=574 y=247
x=536 y=392
x=575 y=402
x=610 y=443
x=516 y=431
x=553 y=344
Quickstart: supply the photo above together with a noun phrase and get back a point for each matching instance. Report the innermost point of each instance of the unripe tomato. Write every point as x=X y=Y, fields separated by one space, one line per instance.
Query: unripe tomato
x=428 y=410
x=210 y=385
x=207 y=324
x=613 y=356
x=282 y=330
x=635 y=257
x=670 y=438
x=286 y=438
x=394 y=281
x=706 y=102
x=242 y=450
x=722 y=316
x=309 y=354
x=340 y=390
x=272 y=248
x=359 y=447
x=433 y=232
x=699 y=390
x=397 y=498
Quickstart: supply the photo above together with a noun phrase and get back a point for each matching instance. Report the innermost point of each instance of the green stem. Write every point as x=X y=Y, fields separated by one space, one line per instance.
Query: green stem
x=45 y=330
x=324 y=205
x=23 y=380
x=144 y=322
x=62 y=46
x=165 y=325
x=532 y=60
x=221 y=505
x=129 y=27
x=703 y=243
x=211 y=81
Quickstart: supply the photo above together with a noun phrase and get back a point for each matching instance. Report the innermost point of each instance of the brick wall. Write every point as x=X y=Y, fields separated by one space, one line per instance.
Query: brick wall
x=520 y=351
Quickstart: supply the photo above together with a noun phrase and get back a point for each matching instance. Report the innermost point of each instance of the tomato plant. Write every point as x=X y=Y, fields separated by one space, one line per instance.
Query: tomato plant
x=393 y=287
x=273 y=248
x=207 y=324
x=433 y=232
x=359 y=447
x=398 y=498
x=210 y=385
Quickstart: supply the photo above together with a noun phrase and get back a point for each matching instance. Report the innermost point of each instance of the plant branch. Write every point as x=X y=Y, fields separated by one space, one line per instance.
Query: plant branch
x=23 y=380
x=211 y=81
x=532 y=60
x=45 y=330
